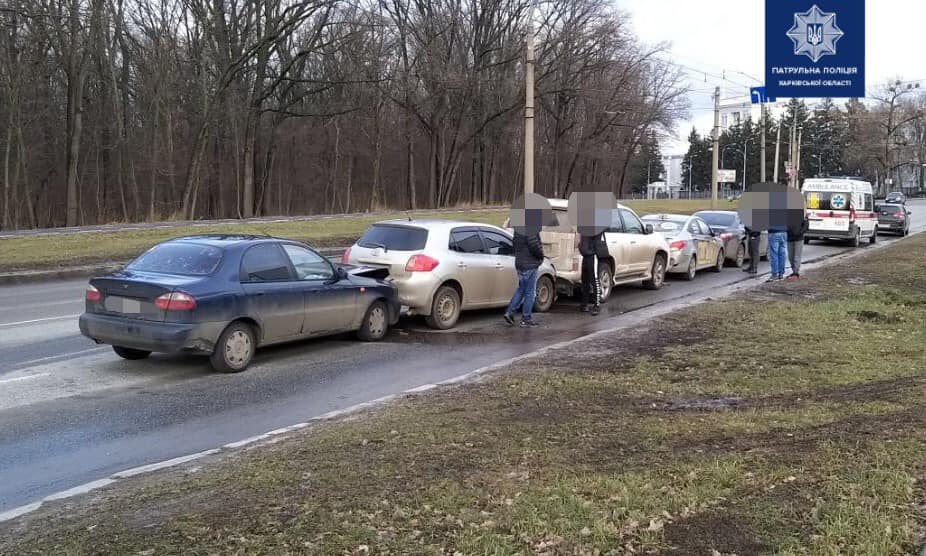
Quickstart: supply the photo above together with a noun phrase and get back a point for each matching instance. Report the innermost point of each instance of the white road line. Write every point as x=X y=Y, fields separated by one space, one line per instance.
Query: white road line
x=163 y=464
x=20 y=378
x=49 y=319
x=32 y=362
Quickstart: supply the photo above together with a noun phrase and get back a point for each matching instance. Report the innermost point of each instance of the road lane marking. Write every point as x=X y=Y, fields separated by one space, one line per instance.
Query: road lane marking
x=32 y=362
x=163 y=464
x=34 y=321
x=20 y=378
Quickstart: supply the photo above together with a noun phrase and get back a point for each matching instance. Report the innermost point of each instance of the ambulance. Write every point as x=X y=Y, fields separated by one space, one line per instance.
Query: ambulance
x=841 y=209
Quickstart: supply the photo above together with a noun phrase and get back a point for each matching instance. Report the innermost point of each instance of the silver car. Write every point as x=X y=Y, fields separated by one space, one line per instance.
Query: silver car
x=443 y=267
x=693 y=245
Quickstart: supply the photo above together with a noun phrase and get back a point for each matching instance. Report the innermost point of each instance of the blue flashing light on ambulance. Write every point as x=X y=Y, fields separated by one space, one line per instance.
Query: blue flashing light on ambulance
x=840 y=209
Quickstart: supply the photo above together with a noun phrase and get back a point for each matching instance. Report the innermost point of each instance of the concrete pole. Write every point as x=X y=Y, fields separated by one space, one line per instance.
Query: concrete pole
x=797 y=167
x=716 y=147
x=762 y=125
x=792 y=151
x=777 y=156
x=529 y=110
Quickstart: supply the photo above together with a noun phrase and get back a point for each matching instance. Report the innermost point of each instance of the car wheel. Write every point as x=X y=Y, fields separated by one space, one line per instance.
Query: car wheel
x=658 y=277
x=718 y=265
x=375 y=323
x=806 y=241
x=692 y=269
x=605 y=280
x=235 y=348
x=740 y=256
x=131 y=354
x=857 y=240
x=874 y=238
x=545 y=295
x=445 y=310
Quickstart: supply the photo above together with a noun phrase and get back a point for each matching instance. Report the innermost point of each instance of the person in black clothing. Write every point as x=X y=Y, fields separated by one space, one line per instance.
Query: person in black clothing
x=591 y=247
x=755 y=238
x=797 y=227
x=528 y=256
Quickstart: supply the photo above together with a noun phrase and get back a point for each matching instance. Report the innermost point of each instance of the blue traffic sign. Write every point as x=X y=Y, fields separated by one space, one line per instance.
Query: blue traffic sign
x=759 y=96
x=815 y=48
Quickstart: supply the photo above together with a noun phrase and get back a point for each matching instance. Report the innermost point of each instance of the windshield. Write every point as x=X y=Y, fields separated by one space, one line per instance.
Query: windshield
x=666 y=225
x=717 y=219
x=184 y=259
x=828 y=200
x=394 y=238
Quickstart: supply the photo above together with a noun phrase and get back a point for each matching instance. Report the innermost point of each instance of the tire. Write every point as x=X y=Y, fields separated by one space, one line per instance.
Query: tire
x=605 y=280
x=658 y=275
x=546 y=294
x=131 y=354
x=692 y=269
x=445 y=309
x=375 y=323
x=721 y=258
x=740 y=259
x=806 y=241
x=874 y=238
x=235 y=348
x=857 y=240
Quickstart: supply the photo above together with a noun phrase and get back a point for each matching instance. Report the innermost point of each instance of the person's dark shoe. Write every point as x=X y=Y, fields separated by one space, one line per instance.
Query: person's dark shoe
x=751 y=270
x=583 y=308
x=509 y=319
x=793 y=277
x=529 y=324
x=596 y=310
x=771 y=279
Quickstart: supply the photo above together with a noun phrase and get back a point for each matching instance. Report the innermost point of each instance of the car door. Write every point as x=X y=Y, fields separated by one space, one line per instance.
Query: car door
x=475 y=268
x=272 y=295
x=701 y=249
x=712 y=244
x=639 y=252
x=501 y=248
x=330 y=301
x=618 y=245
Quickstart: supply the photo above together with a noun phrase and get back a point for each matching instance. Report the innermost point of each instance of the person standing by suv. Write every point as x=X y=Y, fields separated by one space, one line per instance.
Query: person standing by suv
x=755 y=240
x=528 y=256
x=590 y=247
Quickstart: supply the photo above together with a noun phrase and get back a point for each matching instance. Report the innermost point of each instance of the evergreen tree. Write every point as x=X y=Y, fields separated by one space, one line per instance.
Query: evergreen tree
x=696 y=167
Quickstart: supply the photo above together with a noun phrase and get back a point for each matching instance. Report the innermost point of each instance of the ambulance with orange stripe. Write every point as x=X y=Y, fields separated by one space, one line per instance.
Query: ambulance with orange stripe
x=840 y=209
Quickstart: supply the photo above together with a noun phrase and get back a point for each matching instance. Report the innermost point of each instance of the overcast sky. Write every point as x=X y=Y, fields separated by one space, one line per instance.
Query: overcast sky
x=718 y=35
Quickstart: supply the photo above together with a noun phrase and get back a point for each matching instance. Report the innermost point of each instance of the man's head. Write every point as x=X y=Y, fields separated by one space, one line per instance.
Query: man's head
x=591 y=211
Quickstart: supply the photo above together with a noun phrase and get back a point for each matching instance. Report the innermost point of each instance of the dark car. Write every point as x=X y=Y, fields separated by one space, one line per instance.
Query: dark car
x=224 y=296
x=896 y=197
x=893 y=219
x=726 y=225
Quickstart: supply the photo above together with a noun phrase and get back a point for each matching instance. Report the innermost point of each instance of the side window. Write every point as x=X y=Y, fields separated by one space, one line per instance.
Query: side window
x=308 y=264
x=693 y=228
x=616 y=227
x=466 y=241
x=705 y=229
x=497 y=244
x=265 y=263
x=869 y=201
x=632 y=224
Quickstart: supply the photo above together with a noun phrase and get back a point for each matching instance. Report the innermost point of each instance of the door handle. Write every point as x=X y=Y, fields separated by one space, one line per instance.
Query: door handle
x=461 y=265
x=633 y=243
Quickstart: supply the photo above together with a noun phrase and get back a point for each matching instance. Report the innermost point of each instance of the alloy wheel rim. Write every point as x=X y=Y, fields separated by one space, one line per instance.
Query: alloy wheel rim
x=238 y=348
x=660 y=273
x=446 y=308
x=377 y=321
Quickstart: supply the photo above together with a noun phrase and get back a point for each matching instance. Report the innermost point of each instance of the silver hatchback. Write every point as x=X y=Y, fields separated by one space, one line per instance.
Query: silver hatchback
x=443 y=267
x=692 y=243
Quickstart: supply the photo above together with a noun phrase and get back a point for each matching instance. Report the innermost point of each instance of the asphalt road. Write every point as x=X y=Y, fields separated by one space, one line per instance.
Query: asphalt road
x=72 y=412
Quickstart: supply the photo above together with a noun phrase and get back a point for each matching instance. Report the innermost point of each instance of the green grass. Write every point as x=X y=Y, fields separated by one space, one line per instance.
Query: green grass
x=44 y=252
x=800 y=434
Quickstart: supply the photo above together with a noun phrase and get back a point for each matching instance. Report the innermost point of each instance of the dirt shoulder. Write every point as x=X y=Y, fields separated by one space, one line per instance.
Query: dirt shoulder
x=788 y=419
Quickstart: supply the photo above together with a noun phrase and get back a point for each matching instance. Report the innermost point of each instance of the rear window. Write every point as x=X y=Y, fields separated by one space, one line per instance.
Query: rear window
x=891 y=208
x=828 y=200
x=717 y=220
x=665 y=225
x=185 y=259
x=394 y=238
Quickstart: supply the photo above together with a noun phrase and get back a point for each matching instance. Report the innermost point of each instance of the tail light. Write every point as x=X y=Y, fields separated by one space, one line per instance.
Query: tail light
x=678 y=245
x=345 y=258
x=726 y=236
x=575 y=264
x=851 y=215
x=176 y=301
x=899 y=215
x=421 y=263
x=92 y=294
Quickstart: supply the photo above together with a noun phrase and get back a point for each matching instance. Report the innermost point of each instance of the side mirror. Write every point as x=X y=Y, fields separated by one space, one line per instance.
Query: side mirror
x=648 y=229
x=909 y=213
x=342 y=274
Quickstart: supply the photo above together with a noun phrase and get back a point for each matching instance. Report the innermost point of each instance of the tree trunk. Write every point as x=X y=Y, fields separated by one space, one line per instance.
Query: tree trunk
x=6 y=176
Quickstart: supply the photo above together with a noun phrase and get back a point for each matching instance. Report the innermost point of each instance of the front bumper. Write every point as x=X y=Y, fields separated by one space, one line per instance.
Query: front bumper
x=150 y=335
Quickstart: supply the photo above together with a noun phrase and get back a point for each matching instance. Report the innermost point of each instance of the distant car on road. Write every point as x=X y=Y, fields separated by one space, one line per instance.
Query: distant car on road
x=893 y=219
x=444 y=267
x=693 y=245
x=726 y=224
x=896 y=197
x=225 y=296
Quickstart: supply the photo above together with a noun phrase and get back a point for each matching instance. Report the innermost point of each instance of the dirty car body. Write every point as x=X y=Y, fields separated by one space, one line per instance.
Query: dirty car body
x=182 y=294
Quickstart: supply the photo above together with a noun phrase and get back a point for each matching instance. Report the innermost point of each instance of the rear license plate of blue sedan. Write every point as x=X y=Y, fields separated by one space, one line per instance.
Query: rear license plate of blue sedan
x=123 y=305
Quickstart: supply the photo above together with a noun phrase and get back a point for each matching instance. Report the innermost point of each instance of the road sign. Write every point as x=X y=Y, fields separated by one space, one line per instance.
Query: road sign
x=815 y=50
x=759 y=96
x=726 y=176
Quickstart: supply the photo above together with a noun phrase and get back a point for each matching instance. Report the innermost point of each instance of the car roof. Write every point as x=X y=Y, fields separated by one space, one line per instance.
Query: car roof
x=223 y=240
x=563 y=204
x=435 y=224
x=725 y=212
x=667 y=216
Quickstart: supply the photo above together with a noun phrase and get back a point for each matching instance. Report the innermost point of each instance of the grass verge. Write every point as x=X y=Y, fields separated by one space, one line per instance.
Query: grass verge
x=48 y=252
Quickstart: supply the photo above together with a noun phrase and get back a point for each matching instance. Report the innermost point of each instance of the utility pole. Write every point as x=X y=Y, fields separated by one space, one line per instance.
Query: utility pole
x=797 y=166
x=716 y=147
x=529 y=109
x=791 y=148
x=762 y=162
x=745 y=158
x=777 y=149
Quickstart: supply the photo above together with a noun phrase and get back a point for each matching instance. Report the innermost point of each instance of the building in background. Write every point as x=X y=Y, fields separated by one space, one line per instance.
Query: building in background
x=673 y=166
x=736 y=110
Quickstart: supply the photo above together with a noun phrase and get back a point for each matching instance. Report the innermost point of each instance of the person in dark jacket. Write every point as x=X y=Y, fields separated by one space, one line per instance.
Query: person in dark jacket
x=755 y=239
x=591 y=247
x=796 y=230
x=528 y=256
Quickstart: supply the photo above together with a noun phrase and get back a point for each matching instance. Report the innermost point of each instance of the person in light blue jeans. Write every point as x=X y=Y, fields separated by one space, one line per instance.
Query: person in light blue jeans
x=523 y=297
x=777 y=252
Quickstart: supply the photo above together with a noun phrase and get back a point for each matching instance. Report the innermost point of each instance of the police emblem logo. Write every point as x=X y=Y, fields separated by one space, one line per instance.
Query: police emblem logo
x=815 y=33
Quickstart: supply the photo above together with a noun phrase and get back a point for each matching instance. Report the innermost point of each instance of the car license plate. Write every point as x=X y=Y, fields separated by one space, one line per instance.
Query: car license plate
x=123 y=305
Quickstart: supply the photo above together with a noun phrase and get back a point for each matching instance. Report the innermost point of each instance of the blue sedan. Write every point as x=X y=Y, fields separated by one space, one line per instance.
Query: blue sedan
x=226 y=295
